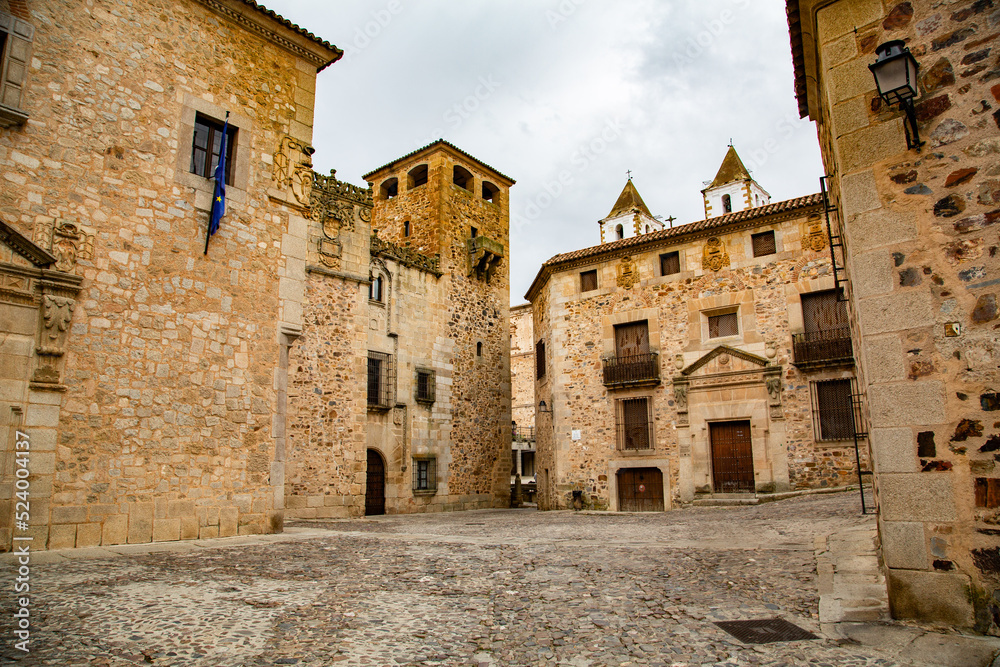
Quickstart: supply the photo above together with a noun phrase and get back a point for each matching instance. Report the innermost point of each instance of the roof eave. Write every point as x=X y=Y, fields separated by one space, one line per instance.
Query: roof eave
x=507 y=180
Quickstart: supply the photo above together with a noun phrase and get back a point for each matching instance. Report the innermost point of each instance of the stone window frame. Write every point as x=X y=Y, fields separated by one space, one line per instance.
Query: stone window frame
x=818 y=440
x=205 y=187
x=431 y=393
x=16 y=39
x=431 y=475
x=779 y=246
x=680 y=264
x=423 y=174
x=707 y=323
x=487 y=187
x=793 y=299
x=700 y=309
x=608 y=323
x=596 y=283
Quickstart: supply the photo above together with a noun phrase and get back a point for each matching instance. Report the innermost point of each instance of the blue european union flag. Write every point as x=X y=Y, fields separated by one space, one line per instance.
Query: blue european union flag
x=219 y=197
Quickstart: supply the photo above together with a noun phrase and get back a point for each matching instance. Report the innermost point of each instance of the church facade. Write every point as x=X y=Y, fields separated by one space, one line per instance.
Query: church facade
x=710 y=361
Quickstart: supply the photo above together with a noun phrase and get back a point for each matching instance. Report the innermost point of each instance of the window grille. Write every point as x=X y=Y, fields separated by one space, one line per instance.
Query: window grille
x=425 y=386
x=763 y=244
x=539 y=360
x=833 y=410
x=206 y=147
x=425 y=474
x=670 y=263
x=725 y=324
x=634 y=423
x=381 y=380
x=588 y=281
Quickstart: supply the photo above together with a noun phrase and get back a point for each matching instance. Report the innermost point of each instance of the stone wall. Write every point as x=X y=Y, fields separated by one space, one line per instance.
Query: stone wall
x=923 y=267
x=522 y=367
x=164 y=409
x=577 y=440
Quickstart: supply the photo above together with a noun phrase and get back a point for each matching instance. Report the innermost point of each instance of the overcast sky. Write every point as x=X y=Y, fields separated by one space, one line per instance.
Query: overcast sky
x=564 y=97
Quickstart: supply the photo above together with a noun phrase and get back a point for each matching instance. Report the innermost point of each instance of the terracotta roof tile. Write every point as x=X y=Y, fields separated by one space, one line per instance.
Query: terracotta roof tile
x=798 y=57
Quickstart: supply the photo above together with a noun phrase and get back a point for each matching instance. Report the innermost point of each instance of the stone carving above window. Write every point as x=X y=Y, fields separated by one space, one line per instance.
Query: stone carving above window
x=628 y=273
x=67 y=241
x=715 y=257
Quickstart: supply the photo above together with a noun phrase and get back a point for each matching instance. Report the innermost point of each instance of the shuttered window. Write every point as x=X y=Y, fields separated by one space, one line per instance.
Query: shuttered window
x=670 y=263
x=588 y=281
x=634 y=423
x=15 y=54
x=540 y=360
x=763 y=244
x=632 y=339
x=725 y=324
x=822 y=311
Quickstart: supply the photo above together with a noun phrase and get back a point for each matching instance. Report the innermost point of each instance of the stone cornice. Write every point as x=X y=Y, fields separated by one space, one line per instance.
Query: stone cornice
x=24 y=246
x=304 y=44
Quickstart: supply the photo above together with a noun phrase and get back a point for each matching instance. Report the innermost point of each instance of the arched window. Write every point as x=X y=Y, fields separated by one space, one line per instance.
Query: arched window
x=416 y=177
x=647 y=229
x=490 y=191
x=406 y=228
x=479 y=349
x=375 y=288
x=757 y=199
x=462 y=177
x=620 y=232
x=727 y=204
x=389 y=188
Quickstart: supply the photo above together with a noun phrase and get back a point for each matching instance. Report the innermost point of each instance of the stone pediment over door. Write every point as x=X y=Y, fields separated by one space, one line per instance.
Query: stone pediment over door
x=18 y=249
x=725 y=360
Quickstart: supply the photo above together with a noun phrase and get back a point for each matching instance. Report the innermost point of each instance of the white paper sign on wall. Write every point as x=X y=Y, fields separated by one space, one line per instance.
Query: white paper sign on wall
x=576 y=434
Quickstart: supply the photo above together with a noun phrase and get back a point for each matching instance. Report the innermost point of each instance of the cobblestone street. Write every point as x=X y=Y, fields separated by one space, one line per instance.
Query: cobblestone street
x=498 y=587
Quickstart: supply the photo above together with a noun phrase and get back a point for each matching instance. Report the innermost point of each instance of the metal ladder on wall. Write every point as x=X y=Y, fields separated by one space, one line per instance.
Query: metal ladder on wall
x=857 y=398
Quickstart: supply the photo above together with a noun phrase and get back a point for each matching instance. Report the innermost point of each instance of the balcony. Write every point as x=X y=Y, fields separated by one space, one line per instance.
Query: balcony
x=822 y=349
x=638 y=370
x=484 y=257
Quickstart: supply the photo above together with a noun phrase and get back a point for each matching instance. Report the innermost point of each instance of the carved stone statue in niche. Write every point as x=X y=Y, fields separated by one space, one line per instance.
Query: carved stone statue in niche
x=293 y=168
x=715 y=256
x=628 y=273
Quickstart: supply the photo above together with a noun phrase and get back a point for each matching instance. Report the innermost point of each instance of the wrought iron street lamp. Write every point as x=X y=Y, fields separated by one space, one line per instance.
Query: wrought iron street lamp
x=895 y=72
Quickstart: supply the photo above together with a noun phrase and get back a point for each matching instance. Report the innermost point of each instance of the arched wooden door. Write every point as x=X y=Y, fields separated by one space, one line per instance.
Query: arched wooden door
x=375 y=486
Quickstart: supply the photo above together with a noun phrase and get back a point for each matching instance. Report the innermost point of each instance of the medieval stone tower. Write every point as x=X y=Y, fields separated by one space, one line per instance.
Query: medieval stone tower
x=438 y=316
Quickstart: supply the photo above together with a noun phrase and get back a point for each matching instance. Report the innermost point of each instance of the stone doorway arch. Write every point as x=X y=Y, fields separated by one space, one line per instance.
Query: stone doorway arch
x=375 y=484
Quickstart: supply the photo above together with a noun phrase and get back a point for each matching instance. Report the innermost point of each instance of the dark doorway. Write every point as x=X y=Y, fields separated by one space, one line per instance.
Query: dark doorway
x=640 y=490
x=732 y=457
x=375 y=487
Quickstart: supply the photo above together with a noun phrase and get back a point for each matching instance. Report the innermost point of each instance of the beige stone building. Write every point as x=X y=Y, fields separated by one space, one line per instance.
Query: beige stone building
x=914 y=205
x=522 y=383
x=413 y=282
x=704 y=361
x=158 y=388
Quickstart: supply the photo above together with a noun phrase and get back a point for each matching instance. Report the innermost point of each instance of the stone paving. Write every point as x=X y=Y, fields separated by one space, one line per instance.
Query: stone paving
x=492 y=587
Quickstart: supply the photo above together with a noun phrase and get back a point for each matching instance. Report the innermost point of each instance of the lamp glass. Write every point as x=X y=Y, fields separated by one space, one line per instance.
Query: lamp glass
x=895 y=73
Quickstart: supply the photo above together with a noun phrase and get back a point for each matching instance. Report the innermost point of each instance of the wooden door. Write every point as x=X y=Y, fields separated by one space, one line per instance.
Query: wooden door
x=732 y=457
x=375 y=487
x=640 y=490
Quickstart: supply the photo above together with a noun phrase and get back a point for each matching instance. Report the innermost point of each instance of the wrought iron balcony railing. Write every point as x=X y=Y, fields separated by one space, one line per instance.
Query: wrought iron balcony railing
x=635 y=370
x=831 y=347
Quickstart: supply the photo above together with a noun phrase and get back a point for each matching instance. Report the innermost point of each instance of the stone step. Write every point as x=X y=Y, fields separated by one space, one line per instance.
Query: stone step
x=724 y=502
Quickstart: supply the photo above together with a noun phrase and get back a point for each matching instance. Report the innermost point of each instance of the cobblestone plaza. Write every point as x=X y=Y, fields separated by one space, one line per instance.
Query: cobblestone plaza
x=490 y=587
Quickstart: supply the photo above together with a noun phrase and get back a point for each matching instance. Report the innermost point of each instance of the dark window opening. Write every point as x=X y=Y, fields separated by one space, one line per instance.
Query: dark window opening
x=389 y=188
x=763 y=244
x=425 y=386
x=634 y=423
x=462 y=177
x=381 y=377
x=619 y=232
x=375 y=289
x=206 y=147
x=473 y=232
x=539 y=360
x=670 y=263
x=726 y=324
x=479 y=349
x=424 y=474
x=727 y=204
x=588 y=281
x=416 y=177
x=833 y=410
x=490 y=191
x=406 y=228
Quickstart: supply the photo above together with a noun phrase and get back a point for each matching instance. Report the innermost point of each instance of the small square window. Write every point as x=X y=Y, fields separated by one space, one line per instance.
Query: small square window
x=763 y=244
x=206 y=147
x=424 y=474
x=588 y=281
x=425 y=386
x=670 y=263
x=724 y=324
